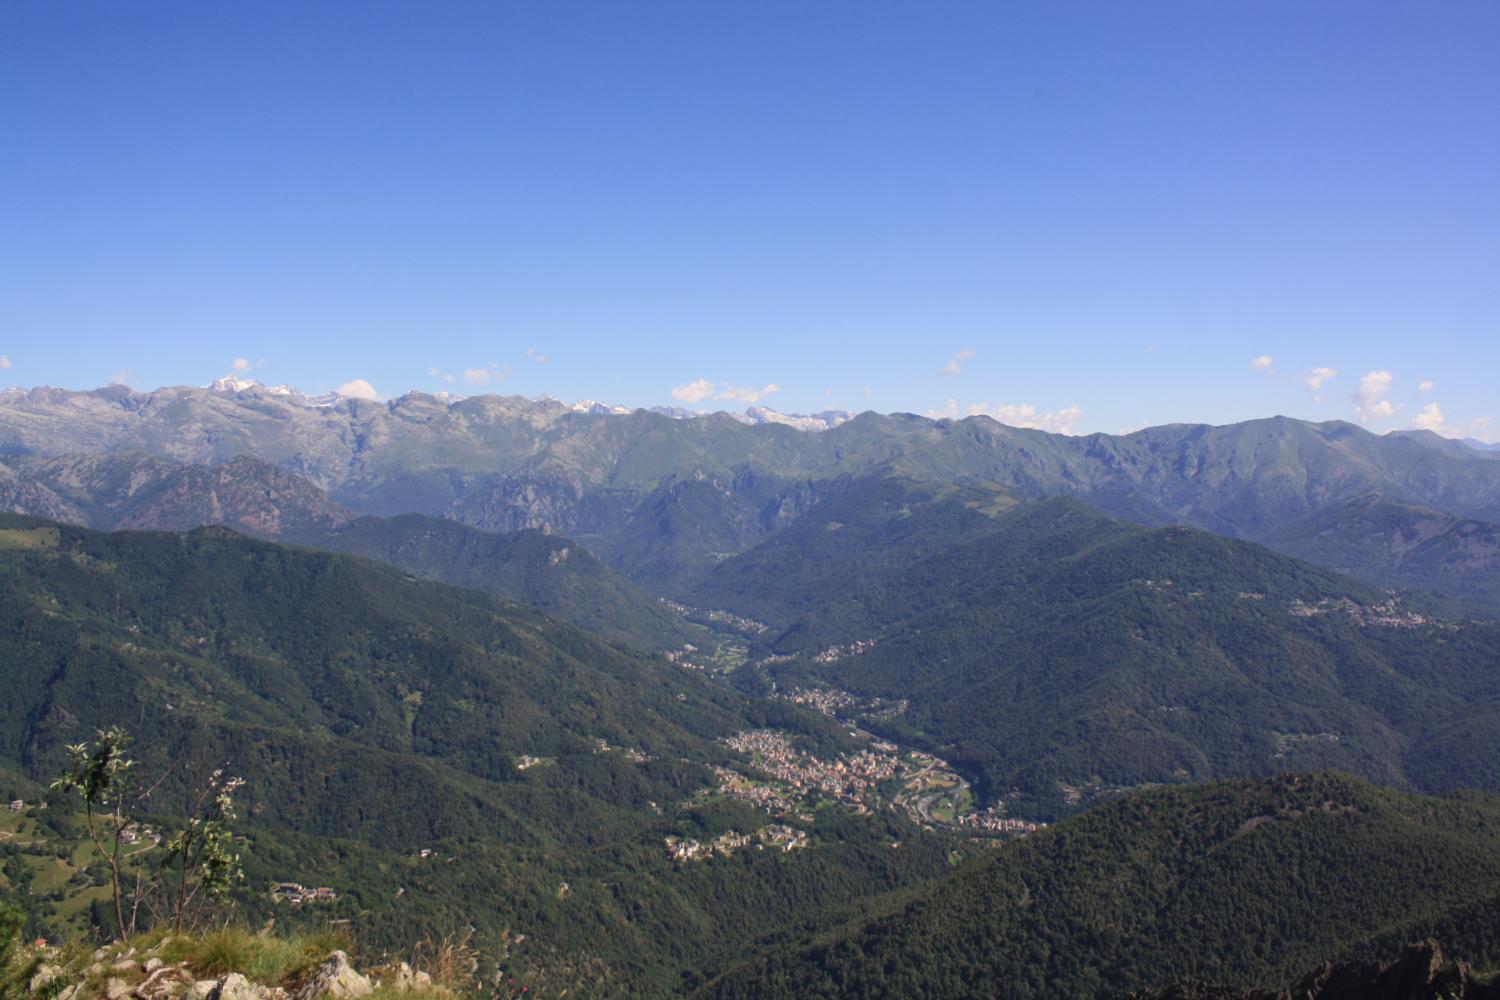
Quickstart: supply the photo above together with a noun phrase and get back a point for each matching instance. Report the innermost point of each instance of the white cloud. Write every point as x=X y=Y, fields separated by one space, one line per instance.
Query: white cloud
x=242 y=364
x=695 y=391
x=1016 y=415
x=541 y=359
x=4 y=360
x=1426 y=385
x=357 y=389
x=869 y=391
x=1430 y=419
x=121 y=378
x=700 y=389
x=1318 y=377
x=748 y=393
x=1370 y=402
x=1264 y=363
x=954 y=366
x=492 y=371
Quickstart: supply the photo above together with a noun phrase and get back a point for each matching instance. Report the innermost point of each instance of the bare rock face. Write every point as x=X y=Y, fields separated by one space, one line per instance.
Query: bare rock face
x=43 y=977
x=408 y=979
x=237 y=987
x=336 y=979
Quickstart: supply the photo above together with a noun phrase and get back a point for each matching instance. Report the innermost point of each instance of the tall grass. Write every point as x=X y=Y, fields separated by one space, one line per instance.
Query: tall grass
x=265 y=959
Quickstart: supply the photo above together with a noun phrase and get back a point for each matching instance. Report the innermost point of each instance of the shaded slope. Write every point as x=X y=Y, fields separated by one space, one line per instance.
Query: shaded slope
x=1396 y=544
x=136 y=491
x=1052 y=645
x=375 y=714
x=352 y=680
x=1243 y=883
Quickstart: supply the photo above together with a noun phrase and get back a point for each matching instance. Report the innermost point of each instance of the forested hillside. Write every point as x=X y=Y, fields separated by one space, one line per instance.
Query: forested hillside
x=137 y=491
x=1059 y=652
x=375 y=716
x=1244 y=883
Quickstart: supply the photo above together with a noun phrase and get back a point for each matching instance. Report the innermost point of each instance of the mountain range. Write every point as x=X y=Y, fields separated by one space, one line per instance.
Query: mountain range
x=662 y=499
x=430 y=623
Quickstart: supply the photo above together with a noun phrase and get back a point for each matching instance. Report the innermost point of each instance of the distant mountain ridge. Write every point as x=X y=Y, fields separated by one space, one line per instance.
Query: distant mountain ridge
x=1398 y=544
x=663 y=500
x=133 y=491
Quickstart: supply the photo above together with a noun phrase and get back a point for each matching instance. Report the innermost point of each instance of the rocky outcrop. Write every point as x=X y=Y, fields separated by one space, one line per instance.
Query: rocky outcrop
x=236 y=987
x=128 y=976
x=336 y=979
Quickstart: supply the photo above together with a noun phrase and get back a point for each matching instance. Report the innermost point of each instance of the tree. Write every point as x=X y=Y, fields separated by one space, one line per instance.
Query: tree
x=203 y=850
x=202 y=854
x=101 y=774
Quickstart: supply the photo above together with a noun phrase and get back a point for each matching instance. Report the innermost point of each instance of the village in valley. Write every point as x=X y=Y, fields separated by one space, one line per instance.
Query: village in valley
x=786 y=782
x=789 y=783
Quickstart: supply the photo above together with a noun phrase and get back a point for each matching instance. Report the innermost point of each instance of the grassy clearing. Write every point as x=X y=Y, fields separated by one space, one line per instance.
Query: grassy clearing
x=30 y=538
x=265 y=959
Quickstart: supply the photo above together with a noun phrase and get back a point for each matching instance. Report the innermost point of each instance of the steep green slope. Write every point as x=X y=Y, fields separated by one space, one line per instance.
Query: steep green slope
x=866 y=528
x=134 y=490
x=375 y=715
x=1245 y=883
x=357 y=681
x=1052 y=647
x=553 y=574
x=1394 y=544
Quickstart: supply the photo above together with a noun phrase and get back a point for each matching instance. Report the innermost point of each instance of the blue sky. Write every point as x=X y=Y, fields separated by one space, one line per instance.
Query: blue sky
x=1084 y=216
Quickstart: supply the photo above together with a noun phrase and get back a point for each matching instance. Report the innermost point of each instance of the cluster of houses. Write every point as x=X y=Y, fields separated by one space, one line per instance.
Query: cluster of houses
x=835 y=653
x=135 y=833
x=297 y=894
x=631 y=753
x=994 y=822
x=849 y=779
x=776 y=835
x=719 y=617
x=1389 y=615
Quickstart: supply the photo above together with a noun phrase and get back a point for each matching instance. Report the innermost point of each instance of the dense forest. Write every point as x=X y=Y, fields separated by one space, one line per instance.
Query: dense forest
x=1243 y=883
x=375 y=717
x=1045 y=644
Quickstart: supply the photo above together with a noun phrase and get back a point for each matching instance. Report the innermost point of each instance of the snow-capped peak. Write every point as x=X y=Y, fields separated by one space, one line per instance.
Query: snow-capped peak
x=232 y=383
x=827 y=420
x=594 y=406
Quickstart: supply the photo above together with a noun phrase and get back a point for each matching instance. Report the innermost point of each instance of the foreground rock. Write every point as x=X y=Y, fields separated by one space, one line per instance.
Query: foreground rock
x=336 y=979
